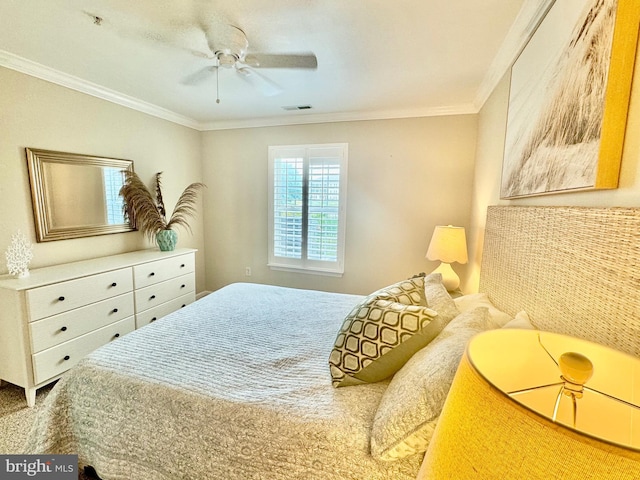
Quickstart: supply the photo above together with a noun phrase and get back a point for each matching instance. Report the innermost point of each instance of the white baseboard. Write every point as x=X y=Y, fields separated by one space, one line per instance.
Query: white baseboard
x=204 y=293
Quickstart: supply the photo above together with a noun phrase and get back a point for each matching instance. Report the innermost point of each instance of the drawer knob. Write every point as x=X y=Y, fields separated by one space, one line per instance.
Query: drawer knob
x=184 y=305
x=61 y=299
x=151 y=274
x=182 y=286
x=114 y=284
x=115 y=310
x=67 y=357
x=152 y=297
x=154 y=319
x=182 y=266
x=117 y=335
x=63 y=329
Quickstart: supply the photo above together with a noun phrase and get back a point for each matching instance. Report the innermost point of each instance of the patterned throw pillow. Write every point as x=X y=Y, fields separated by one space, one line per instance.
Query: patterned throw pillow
x=408 y=292
x=382 y=332
x=409 y=409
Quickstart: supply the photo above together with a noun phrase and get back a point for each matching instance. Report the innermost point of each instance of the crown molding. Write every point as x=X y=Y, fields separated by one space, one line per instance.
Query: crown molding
x=34 y=69
x=20 y=64
x=529 y=17
x=305 y=118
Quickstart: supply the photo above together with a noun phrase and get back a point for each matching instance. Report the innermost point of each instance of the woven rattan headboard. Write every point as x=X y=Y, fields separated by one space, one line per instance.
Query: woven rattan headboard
x=575 y=270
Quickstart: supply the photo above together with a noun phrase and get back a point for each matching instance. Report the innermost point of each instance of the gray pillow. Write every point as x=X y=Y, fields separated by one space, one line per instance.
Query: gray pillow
x=410 y=407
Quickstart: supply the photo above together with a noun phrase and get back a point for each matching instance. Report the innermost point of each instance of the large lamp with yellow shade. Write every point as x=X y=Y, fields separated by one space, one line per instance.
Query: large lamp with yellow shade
x=538 y=405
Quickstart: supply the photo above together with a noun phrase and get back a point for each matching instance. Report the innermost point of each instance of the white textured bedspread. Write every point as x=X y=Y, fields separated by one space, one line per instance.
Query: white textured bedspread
x=233 y=387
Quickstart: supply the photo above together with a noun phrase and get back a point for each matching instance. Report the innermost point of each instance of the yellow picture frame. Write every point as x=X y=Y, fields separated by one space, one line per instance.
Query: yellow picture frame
x=567 y=117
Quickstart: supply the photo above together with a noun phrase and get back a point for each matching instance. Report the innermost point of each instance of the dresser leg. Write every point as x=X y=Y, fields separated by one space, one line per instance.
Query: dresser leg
x=30 y=393
x=2 y=383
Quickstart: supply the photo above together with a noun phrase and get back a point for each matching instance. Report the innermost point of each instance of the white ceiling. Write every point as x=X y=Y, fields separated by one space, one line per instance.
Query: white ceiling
x=376 y=58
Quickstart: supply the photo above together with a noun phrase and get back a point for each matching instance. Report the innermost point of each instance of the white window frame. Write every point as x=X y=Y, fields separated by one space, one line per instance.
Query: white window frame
x=308 y=152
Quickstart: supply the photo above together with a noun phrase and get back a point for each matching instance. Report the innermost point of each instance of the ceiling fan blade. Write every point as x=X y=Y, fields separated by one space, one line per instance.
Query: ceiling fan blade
x=199 y=76
x=267 y=87
x=265 y=60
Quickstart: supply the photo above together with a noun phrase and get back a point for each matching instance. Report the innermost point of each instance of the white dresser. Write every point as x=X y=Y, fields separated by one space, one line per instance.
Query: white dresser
x=57 y=315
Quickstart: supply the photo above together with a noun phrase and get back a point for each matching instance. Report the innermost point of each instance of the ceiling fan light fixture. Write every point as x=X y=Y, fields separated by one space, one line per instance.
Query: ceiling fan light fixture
x=226 y=60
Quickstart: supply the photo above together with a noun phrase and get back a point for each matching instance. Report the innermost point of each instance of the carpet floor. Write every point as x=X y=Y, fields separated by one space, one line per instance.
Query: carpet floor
x=16 y=419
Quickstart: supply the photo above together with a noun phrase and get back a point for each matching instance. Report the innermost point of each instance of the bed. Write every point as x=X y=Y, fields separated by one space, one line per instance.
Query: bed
x=227 y=388
x=224 y=388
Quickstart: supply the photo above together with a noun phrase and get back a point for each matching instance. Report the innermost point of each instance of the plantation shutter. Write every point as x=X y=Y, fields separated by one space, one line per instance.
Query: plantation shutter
x=324 y=204
x=288 y=204
x=307 y=207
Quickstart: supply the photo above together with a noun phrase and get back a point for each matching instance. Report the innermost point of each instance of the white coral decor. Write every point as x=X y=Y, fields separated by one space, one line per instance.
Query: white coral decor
x=19 y=254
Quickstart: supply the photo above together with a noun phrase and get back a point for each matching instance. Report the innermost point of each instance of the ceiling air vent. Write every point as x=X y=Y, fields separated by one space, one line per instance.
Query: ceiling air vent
x=298 y=107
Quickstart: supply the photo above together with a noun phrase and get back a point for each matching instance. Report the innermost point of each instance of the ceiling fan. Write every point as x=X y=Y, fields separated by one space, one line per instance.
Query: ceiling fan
x=228 y=46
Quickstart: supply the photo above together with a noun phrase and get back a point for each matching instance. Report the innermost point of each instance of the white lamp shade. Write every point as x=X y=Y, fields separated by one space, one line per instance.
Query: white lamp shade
x=448 y=244
x=489 y=429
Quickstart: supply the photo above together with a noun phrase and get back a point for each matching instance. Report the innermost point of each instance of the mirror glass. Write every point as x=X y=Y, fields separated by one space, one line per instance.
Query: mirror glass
x=76 y=195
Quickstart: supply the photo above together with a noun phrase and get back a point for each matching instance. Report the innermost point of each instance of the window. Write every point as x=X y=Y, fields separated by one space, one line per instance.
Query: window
x=307 y=207
x=113 y=179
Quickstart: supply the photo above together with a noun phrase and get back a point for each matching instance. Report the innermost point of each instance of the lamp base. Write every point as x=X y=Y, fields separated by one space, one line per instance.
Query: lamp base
x=450 y=279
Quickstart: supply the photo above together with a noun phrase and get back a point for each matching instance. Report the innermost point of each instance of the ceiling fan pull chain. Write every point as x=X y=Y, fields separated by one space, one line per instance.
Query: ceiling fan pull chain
x=218 y=83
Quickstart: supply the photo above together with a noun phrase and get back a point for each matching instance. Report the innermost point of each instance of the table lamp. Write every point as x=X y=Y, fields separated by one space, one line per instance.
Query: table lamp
x=448 y=245
x=538 y=405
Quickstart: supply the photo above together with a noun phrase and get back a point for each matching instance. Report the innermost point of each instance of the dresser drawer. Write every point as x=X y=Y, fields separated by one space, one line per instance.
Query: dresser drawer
x=155 y=272
x=61 y=297
x=155 y=313
x=159 y=293
x=60 y=328
x=58 y=359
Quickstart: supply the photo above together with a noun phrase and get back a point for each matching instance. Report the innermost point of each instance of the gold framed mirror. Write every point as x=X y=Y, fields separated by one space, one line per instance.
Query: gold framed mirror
x=76 y=195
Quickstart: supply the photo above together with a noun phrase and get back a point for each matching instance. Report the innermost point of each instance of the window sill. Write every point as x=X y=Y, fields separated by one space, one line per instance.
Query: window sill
x=308 y=271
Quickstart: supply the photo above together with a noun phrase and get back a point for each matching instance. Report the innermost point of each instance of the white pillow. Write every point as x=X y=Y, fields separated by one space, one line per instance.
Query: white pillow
x=474 y=300
x=521 y=321
x=410 y=407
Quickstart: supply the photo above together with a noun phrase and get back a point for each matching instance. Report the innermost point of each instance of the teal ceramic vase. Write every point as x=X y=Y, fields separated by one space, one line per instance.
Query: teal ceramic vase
x=167 y=240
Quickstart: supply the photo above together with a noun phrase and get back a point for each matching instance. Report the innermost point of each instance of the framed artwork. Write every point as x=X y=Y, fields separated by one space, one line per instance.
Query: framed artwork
x=568 y=99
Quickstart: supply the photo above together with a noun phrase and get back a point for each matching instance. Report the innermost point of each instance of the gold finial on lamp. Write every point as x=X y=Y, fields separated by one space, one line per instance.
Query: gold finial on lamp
x=448 y=244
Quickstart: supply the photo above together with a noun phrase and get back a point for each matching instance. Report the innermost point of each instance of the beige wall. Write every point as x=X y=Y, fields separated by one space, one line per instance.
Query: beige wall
x=39 y=114
x=405 y=177
x=491 y=134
